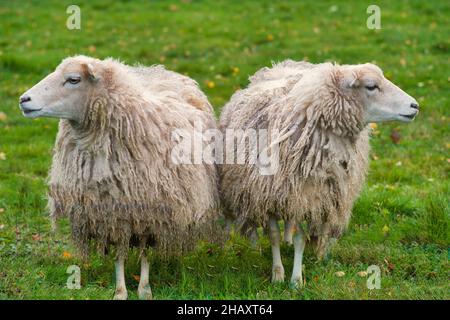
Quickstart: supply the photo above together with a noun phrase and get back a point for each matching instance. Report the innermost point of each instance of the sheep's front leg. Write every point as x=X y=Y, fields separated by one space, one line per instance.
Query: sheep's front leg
x=299 y=247
x=275 y=237
x=288 y=231
x=144 y=290
x=121 y=289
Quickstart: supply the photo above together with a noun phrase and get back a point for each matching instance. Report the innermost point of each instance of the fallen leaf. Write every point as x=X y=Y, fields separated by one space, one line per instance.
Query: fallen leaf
x=3 y=116
x=339 y=274
x=136 y=277
x=395 y=136
x=362 y=274
x=389 y=265
x=36 y=237
x=210 y=84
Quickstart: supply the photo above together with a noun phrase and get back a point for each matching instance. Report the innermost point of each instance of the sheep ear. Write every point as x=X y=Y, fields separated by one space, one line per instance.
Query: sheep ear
x=350 y=80
x=354 y=82
x=89 y=70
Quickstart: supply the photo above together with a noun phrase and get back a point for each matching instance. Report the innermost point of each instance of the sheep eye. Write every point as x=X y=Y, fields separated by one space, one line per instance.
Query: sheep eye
x=73 y=80
x=371 y=88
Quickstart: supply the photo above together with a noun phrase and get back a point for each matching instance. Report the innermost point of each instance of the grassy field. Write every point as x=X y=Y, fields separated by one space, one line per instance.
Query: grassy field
x=400 y=223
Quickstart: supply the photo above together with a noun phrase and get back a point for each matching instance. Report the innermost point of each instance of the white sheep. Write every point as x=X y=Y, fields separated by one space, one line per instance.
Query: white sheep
x=322 y=113
x=112 y=173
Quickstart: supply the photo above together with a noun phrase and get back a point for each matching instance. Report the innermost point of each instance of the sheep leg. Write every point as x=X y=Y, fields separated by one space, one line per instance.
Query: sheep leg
x=299 y=247
x=121 y=289
x=275 y=237
x=54 y=225
x=144 y=290
x=228 y=225
x=288 y=231
x=254 y=237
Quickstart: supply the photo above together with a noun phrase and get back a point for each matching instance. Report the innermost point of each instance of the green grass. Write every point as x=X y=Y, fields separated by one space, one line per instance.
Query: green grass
x=400 y=223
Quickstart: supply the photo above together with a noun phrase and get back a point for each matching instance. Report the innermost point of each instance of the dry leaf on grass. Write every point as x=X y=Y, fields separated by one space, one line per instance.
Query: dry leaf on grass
x=362 y=274
x=395 y=136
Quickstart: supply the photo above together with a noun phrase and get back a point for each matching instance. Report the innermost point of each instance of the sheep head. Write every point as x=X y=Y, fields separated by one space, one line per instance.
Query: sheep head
x=65 y=93
x=380 y=99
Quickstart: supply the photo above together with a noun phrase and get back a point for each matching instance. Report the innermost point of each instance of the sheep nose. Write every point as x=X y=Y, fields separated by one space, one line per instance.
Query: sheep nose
x=415 y=106
x=24 y=99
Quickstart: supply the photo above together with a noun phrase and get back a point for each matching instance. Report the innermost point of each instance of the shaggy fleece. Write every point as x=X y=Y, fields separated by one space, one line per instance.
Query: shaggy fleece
x=323 y=152
x=112 y=174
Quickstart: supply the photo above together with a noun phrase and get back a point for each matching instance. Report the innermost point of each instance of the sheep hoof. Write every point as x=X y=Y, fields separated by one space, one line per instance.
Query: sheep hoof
x=121 y=295
x=277 y=274
x=296 y=283
x=145 y=293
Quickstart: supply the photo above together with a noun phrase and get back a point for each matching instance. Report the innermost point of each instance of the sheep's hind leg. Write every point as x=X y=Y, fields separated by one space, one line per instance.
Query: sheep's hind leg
x=288 y=231
x=299 y=247
x=254 y=237
x=228 y=225
x=144 y=290
x=275 y=237
x=121 y=289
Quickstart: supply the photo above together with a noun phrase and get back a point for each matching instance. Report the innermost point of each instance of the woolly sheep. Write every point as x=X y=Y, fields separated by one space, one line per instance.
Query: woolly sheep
x=322 y=113
x=112 y=173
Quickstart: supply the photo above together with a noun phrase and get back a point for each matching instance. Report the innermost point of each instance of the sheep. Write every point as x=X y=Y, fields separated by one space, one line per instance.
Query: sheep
x=113 y=173
x=321 y=113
